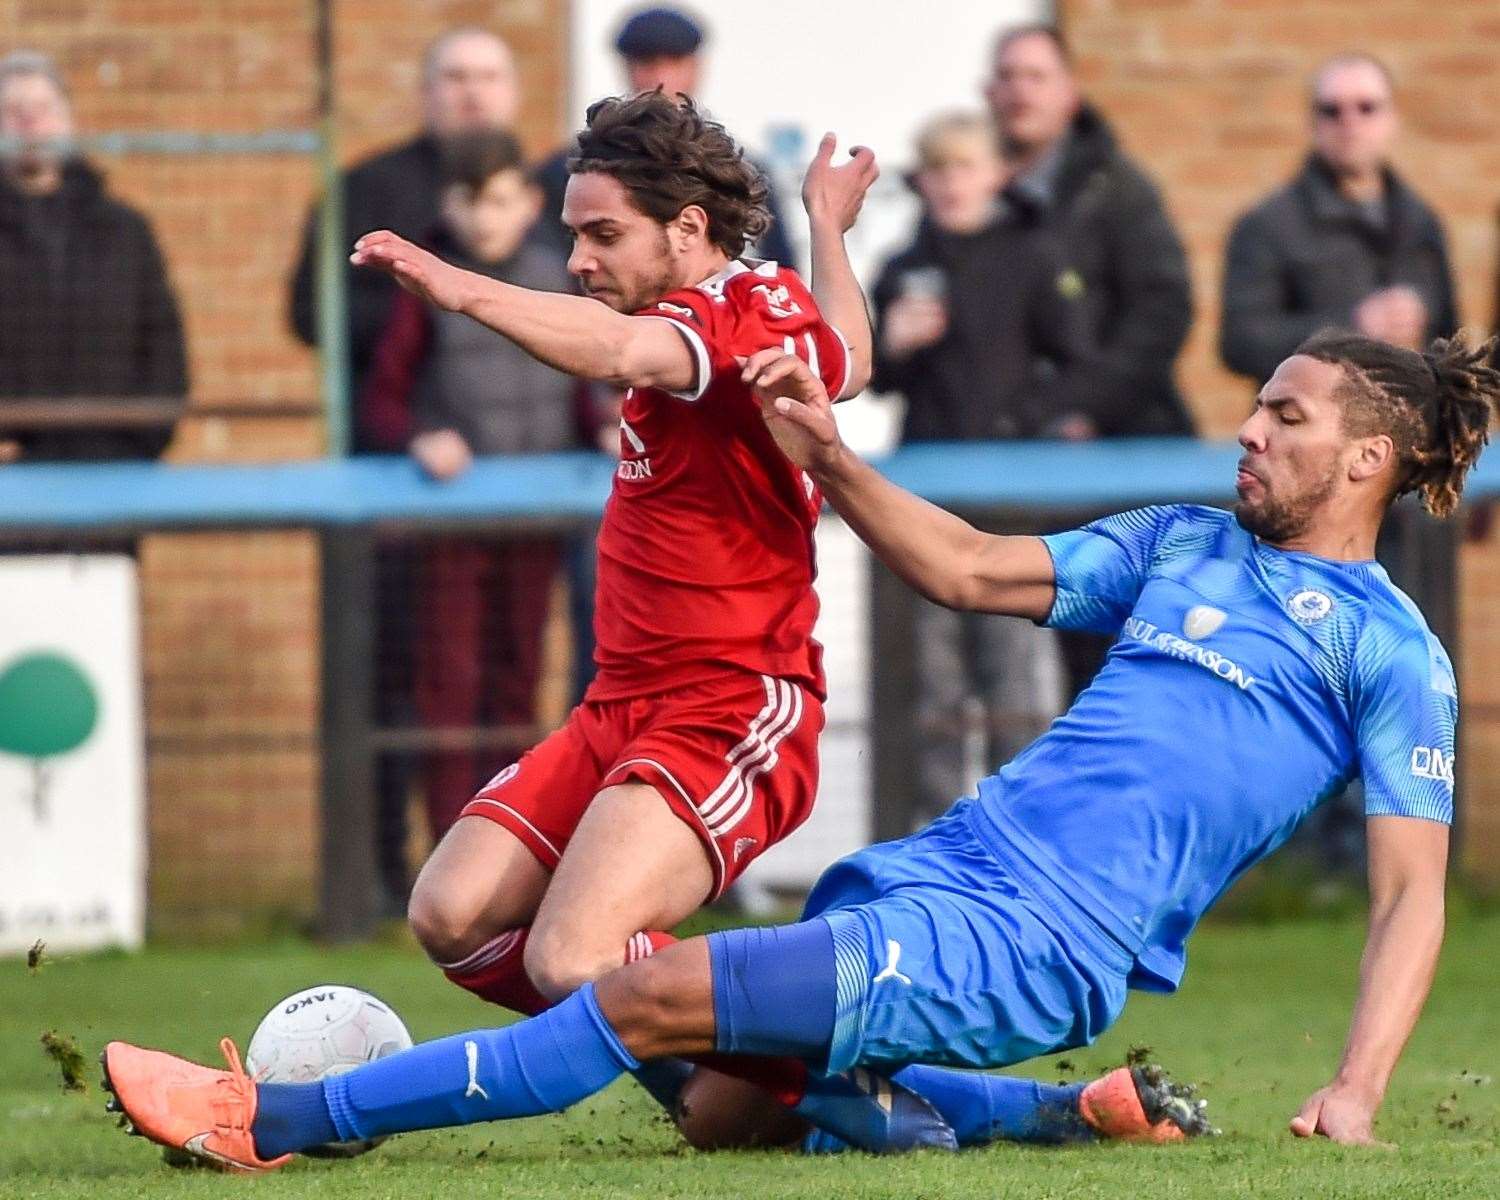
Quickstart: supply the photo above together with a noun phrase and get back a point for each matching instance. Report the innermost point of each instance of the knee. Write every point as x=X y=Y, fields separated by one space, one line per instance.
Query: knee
x=447 y=928
x=558 y=966
x=717 y=1112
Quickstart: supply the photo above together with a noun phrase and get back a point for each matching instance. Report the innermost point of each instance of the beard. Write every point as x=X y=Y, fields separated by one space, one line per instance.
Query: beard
x=1278 y=521
x=655 y=281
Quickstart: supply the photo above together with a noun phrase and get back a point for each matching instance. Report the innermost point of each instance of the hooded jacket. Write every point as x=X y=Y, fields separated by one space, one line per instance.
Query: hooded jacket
x=86 y=312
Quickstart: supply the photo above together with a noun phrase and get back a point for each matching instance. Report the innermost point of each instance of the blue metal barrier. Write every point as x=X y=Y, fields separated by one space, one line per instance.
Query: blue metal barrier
x=1007 y=476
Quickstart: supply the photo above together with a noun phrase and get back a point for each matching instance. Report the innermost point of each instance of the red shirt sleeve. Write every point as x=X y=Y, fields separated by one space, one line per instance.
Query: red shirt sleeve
x=384 y=408
x=752 y=312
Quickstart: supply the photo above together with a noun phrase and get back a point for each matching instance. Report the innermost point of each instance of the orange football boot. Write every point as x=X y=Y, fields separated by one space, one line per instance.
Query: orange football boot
x=183 y=1106
x=1140 y=1104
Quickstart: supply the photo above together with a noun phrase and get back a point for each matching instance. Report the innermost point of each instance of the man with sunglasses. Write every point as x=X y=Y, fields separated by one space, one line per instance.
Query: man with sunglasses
x=1345 y=243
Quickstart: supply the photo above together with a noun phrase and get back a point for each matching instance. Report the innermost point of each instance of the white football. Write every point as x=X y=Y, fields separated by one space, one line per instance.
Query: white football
x=322 y=1031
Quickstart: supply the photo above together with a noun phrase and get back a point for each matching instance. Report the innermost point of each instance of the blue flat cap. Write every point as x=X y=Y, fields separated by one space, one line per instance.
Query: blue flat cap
x=659 y=33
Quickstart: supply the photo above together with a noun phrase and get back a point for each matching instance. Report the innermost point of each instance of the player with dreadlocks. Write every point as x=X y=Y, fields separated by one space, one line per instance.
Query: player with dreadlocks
x=1264 y=660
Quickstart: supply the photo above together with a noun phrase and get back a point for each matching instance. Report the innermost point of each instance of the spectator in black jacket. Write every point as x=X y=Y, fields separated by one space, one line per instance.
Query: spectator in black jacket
x=1071 y=178
x=974 y=323
x=469 y=83
x=658 y=48
x=86 y=310
x=1346 y=243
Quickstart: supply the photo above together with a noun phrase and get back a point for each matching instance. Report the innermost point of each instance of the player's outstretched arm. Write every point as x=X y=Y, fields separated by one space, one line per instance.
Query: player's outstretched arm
x=833 y=197
x=943 y=557
x=1408 y=864
x=571 y=333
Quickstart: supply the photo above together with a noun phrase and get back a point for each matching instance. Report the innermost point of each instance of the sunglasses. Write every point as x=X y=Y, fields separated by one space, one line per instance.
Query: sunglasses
x=1331 y=110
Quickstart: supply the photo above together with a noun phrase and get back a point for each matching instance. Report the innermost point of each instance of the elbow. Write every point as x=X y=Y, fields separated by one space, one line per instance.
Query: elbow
x=860 y=374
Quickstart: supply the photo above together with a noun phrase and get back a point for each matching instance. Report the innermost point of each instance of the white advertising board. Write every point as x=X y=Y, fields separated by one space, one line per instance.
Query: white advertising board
x=72 y=763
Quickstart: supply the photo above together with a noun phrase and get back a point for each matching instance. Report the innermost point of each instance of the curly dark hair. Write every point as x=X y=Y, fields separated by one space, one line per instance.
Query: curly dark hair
x=1436 y=406
x=668 y=155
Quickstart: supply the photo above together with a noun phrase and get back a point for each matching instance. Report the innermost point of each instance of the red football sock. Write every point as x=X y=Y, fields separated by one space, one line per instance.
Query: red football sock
x=496 y=971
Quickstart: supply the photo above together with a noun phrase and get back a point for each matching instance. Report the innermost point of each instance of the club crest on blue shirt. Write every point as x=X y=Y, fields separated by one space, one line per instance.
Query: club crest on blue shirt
x=1310 y=606
x=1201 y=621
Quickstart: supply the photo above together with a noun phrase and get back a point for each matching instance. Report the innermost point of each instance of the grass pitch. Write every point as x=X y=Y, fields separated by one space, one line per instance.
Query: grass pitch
x=1259 y=1023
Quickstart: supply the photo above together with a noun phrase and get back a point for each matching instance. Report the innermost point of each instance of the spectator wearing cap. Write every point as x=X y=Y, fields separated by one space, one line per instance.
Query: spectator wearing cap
x=469 y=83
x=1126 y=260
x=659 y=47
x=86 y=310
x=1347 y=242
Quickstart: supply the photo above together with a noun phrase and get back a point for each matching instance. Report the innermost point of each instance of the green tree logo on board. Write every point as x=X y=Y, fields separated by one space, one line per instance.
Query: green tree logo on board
x=48 y=707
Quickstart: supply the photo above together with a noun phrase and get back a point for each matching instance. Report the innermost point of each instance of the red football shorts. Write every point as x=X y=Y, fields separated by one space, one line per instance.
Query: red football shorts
x=735 y=757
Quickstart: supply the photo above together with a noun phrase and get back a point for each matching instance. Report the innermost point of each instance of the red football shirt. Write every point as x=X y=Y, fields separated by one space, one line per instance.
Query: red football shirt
x=706 y=551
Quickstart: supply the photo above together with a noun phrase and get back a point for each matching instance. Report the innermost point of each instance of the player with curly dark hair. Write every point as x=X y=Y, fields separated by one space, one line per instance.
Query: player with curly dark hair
x=695 y=747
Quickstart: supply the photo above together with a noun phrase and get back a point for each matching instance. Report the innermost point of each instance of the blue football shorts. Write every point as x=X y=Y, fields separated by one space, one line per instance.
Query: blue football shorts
x=944 y=957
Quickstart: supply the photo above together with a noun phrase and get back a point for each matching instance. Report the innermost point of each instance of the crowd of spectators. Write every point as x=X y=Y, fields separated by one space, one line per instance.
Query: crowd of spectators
x=1044 y=295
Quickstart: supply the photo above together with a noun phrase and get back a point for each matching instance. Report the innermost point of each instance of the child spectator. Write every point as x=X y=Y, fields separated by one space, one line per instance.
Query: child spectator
x=445 y=389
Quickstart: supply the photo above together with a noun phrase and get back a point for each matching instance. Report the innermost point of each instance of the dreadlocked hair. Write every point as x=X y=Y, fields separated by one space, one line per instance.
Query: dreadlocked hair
x=668 y=155
x=1436 y=406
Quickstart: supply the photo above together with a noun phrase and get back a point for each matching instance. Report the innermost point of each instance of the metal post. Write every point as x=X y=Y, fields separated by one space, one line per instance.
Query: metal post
x=349 y=889
x=332 y=282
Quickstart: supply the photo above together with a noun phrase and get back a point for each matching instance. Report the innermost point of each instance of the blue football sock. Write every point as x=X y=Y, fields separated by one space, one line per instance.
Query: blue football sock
x=774 y=990
x=984 y=1108
x=541 y=1065
x=776 y=994
x=291 y=1116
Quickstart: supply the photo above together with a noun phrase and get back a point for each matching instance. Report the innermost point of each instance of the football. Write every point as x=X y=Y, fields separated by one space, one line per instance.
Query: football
x=323 y=1031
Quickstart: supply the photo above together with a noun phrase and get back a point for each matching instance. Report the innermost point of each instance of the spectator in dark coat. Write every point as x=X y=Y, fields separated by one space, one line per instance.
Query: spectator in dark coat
x=659 y=48
x=469 y=82
x=445 y=389
x=86 y=310
x=1127 y=263
x=974 y=323
x=1346 y=243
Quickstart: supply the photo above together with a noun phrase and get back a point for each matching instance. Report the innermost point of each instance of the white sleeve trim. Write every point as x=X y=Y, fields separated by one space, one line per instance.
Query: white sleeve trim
x=700 y=358
x=844 y=392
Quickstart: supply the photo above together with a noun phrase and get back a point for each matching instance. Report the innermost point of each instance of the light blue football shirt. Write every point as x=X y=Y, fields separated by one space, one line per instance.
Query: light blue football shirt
x=1248 y=685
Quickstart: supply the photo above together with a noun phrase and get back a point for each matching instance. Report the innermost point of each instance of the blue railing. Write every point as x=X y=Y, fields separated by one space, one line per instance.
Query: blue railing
x=1022 y=476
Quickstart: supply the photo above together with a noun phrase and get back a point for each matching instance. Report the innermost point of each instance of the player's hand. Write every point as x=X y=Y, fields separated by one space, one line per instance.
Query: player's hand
x=835 y=194
x=1339 y=1114
x=796 y=408
x=10 y=451
x=415 y=269
x=442 y=454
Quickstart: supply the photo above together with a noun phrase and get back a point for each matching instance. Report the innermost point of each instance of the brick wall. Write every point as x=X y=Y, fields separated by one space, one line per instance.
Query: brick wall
x=230 y=623
x=1210 y=95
